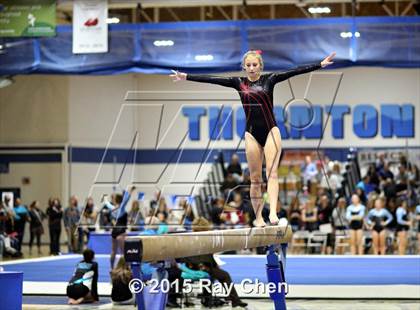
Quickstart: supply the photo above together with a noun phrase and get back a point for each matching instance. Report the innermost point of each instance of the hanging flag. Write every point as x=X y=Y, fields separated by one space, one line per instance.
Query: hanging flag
x=90 y=30
x=140 y=196
x=25 y=18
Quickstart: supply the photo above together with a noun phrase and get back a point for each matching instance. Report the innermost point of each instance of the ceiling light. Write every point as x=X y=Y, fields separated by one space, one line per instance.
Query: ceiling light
x=319 y=10
x=163 y=43
x=112 y=20
x=204 y=57
x=349 y=34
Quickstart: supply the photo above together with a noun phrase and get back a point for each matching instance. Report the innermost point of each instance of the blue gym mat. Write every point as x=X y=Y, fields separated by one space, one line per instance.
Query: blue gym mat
x=300 y=270
x=59 y=300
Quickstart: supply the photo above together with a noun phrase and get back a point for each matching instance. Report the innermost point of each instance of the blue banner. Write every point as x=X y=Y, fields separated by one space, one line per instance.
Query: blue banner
x=206 y=47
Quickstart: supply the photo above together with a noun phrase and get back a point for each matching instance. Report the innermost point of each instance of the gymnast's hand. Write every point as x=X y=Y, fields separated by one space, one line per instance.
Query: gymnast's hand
x=327 y=61
x=178 y=76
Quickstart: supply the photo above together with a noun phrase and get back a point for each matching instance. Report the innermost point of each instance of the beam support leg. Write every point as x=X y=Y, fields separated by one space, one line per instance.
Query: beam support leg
x=275 y=274
x=136 y=269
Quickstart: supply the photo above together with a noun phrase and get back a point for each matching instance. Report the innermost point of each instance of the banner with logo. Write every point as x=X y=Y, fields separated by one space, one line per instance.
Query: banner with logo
x=26 y=18
x=90 y=30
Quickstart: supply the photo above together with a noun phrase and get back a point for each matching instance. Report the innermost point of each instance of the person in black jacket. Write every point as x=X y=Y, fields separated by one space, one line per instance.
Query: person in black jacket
x=36 y=229
x=83 y=286
x=121 y=277
x=55 y=214
x=325 y=210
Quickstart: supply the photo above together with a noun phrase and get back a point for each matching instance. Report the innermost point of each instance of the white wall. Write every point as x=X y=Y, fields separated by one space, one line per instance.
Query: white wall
x=34 y=110
x=45 y=181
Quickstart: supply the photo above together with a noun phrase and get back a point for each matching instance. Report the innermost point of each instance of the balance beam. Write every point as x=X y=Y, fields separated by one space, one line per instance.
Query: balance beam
x=171 y=246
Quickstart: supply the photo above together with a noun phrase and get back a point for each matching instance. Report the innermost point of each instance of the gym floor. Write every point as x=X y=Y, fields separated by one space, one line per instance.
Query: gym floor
x=48 y=302
x=60 y=302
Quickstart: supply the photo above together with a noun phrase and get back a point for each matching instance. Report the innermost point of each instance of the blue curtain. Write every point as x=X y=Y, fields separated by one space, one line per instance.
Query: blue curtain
x=208 y=47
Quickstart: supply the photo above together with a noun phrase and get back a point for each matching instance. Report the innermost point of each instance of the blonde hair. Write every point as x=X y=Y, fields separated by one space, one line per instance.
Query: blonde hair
x=122 y=272
x=201 y=224
x=381 y=199
x=254 y=54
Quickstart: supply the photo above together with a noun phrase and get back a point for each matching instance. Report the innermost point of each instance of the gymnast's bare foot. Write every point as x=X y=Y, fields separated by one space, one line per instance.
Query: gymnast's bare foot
x=274 y=220
x=75 y=301
x=258 y=223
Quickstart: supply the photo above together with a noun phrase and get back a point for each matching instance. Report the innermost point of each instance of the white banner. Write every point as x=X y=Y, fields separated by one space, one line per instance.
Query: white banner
x=90 y=30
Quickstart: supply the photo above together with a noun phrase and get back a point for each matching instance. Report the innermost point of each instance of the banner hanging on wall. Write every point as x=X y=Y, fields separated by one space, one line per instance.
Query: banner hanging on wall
x=24 y=18
x=90 y=30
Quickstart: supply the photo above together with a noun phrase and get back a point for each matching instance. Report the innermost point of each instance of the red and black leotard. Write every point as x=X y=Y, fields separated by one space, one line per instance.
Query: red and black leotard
x=256 y=97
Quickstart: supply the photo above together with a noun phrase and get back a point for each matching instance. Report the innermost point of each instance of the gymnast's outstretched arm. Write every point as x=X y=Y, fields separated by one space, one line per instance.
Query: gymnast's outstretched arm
x=279 y=77
x=211 y=79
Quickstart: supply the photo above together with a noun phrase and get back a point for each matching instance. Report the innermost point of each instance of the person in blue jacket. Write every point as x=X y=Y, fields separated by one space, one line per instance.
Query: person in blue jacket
x=403 y=225
x=120 y=219
x=378 y=219
x=83 y=285
x=355 y=214
x=21 y=216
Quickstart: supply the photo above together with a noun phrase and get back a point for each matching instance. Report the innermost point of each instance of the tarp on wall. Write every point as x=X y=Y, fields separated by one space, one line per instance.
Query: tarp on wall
x=218 y=46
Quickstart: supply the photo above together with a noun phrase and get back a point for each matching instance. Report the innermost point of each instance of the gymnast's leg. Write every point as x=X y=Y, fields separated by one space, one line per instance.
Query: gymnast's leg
x=31 y=240
x=359 y=241
x=272 y=152
x=402 y=239
x=375 y=242
x=38 y=242
x=120 y=244
x=113 y=251
x=382 y=242
x=254 y=156
x=353 y=241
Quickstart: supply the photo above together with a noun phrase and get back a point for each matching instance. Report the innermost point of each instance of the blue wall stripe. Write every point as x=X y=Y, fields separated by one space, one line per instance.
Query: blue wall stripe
x=161 y=156
x=32 y=148
x=143 y=156
x=30 y=158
